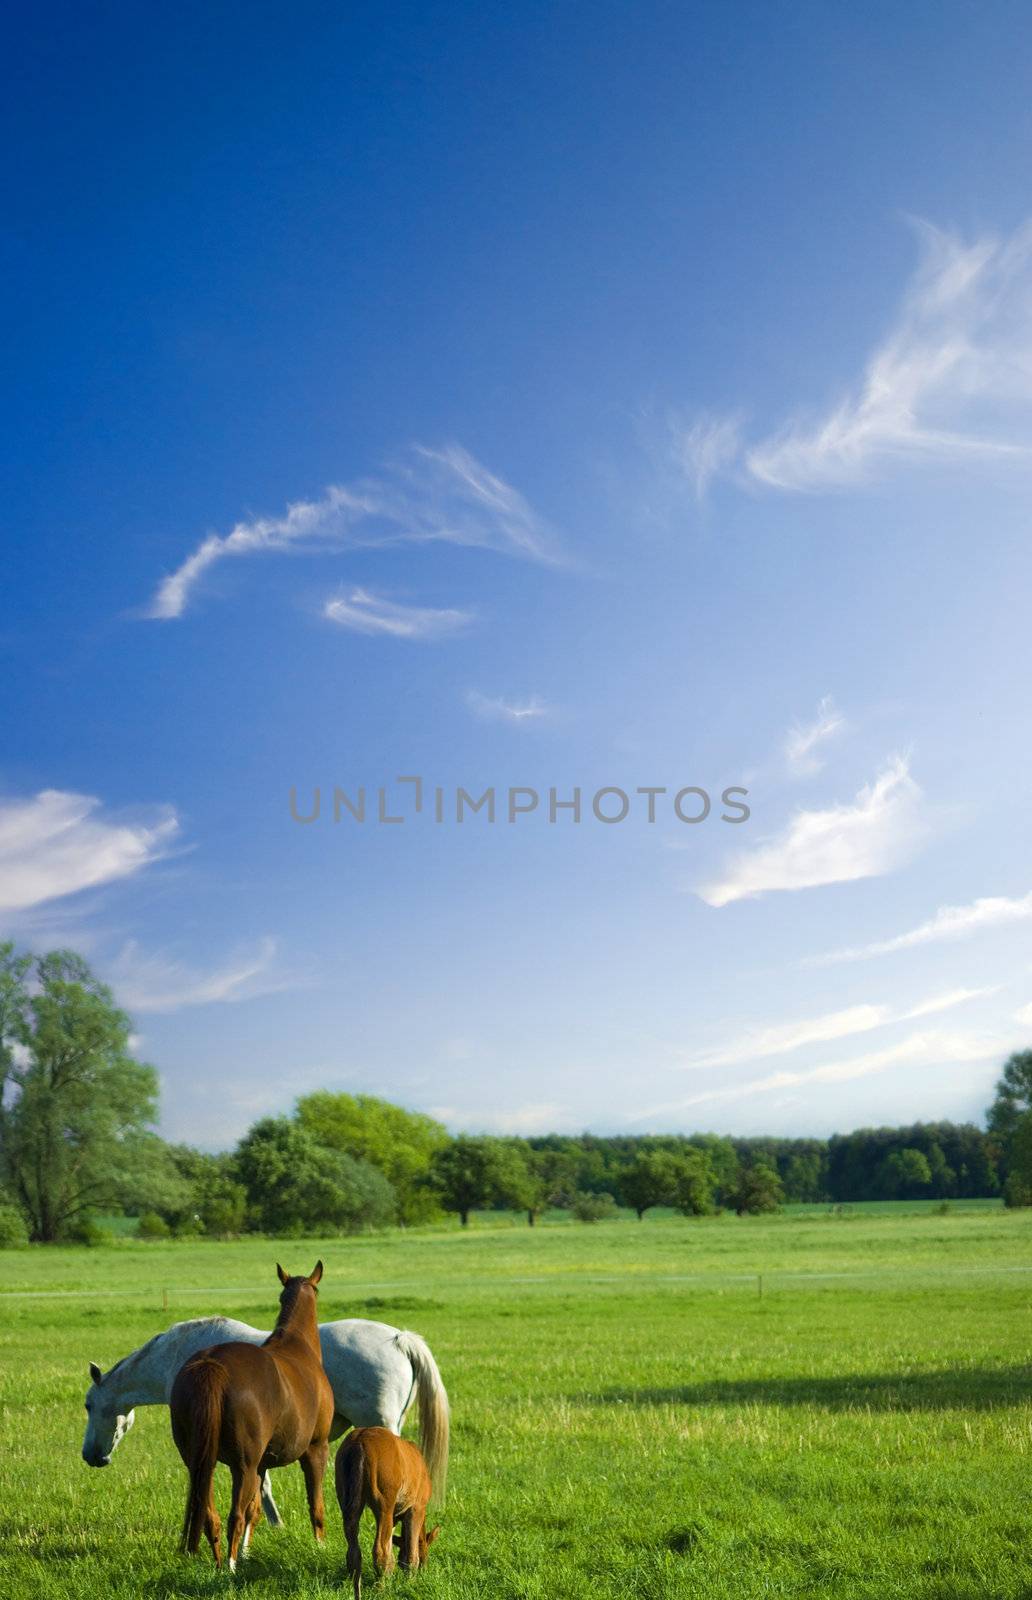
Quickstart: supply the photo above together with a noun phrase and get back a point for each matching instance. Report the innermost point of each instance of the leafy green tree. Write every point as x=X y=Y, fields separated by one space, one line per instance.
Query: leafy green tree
x=943 y=1177
x=723 y=1158
x=904 y=1175
x=470 y=1173
x=1017 y=1190
x=211 y=1199
x=803 y=1178
x=649 y=1180
x=296 y=1186
x=695 y=1184
x=77 y=1107
x=400 y=1144
x=1013 y=1097
x=758 y=1189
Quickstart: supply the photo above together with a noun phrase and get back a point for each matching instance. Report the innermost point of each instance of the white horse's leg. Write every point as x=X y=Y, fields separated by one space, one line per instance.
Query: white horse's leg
x=269 y=1505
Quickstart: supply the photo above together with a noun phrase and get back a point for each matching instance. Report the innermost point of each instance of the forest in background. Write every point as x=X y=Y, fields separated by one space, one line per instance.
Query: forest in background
x=78 y=1142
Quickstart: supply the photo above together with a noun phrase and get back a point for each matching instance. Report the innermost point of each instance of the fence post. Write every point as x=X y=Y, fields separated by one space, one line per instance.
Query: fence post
x=759 y=1285
x=164 y=1299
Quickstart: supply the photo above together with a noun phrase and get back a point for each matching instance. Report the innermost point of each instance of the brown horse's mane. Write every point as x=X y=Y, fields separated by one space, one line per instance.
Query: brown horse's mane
x=298 y=1316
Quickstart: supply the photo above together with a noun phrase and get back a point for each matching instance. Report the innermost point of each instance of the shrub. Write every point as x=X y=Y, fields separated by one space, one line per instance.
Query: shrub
x=14 y=1235
x=88 y=1231
x=593 y=1207
x=151 y=1226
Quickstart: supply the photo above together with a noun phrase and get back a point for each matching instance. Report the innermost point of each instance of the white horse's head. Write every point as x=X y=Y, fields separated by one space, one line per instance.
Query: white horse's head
x=106 y=1424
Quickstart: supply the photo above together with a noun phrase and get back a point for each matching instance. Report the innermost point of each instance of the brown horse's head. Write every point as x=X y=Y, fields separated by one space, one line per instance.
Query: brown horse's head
x=299 y=1294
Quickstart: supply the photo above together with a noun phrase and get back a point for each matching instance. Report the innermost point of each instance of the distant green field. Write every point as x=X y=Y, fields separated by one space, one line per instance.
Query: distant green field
x=810 y=1404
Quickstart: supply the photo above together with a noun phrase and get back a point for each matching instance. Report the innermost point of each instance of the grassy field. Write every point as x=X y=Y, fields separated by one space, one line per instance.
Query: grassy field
x=807 y=1404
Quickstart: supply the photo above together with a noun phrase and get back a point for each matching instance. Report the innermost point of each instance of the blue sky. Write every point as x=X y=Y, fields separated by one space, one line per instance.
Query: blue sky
x=543 y=397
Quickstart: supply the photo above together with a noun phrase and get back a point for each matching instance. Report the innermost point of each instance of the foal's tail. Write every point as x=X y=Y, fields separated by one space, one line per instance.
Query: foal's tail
x=208 y=1391
x=433 y=1409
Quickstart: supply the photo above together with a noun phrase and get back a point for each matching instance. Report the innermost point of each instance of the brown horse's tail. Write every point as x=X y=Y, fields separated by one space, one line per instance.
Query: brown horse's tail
x=207 y=1397
x=433 y=1410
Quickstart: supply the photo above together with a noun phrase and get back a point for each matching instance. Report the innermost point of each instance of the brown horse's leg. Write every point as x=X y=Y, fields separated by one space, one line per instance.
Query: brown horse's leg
x=246 y=1484
x=313 y=1465
x=254 y=1516
x=213 y=1529
x=383 y=1546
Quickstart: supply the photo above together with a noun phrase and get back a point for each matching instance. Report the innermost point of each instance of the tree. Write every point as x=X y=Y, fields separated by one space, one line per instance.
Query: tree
x=943 y=1178
x=77 y=1107
x=803 y=1178
x=904 y=1175
x=296 y=1186
x=1018 y=1188
x=758 y=1189
x=472 y=1172
x=400 y=1144
x=212 y=1201
x=694 y=1184
x=1013 y=1097
x=649 y=1180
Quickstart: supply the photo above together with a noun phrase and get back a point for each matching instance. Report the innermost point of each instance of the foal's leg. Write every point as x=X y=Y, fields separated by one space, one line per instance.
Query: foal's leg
x=351 y=1523
x=246 y=1487
x=408 y=1553
x=383 y=1546
x=313 y=1465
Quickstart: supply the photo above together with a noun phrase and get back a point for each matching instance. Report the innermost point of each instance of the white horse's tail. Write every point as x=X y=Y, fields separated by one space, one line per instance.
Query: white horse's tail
x=433 y=1409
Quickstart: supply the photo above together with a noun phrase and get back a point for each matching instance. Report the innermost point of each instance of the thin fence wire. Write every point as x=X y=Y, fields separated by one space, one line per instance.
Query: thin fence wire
x=767 y=1281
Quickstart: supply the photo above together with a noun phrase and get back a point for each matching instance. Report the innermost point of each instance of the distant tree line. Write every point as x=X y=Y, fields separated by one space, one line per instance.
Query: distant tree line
x=77 y=1141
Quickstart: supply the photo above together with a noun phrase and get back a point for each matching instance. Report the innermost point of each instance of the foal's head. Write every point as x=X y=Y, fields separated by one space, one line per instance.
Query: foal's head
x=298 y=1297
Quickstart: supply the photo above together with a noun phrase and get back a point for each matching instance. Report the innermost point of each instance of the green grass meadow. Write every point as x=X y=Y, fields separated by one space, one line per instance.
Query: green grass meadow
x=807 y=1404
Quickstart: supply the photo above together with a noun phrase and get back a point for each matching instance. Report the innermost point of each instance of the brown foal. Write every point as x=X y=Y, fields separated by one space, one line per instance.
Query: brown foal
x=254 y=1407
x=375 y=1468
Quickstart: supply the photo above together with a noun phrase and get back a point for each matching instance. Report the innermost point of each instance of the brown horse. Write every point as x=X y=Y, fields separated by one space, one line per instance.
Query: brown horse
x=254 y=1407
x=375 y=1468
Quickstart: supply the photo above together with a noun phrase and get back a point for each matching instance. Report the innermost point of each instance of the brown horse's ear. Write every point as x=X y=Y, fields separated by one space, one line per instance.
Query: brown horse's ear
x=283 y=1276
x=95 y=1372
x=316 y=1274
x=432 y=1535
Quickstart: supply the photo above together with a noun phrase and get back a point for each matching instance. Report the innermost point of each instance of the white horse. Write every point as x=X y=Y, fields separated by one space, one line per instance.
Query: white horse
x=375 y=1372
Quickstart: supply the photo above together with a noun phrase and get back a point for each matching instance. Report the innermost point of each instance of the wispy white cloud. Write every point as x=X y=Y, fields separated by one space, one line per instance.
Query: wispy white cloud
x=56 y=843
x=949 y=922
x=704 y=447
x=159 y=983
x=781 y=1038
x=538 y=1117
x=362 y=612
x=874 y=834
x=430 y=495
x=1024 y=1016
x=951 y=381
x=495 y=709
x=805 y=739
x=917 y=1050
